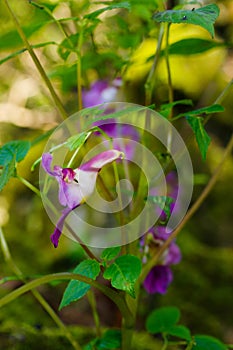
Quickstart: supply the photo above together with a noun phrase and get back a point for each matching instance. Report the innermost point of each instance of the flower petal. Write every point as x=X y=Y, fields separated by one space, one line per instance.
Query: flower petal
x=101 y=159
x=58 y=230
x=158 y=279
x=46 y=163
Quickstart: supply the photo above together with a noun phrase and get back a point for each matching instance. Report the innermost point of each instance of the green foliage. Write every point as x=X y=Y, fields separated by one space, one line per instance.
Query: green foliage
x=192 y=46
x=120 y=5
x=77 y=289
x=204 y=17
x=11 y=153
x=205 y=342
x=110 y=253
x=164 y=320
x=202 y=138
x=197 y=124
x=76 y=141
x=111 y=339
x=124 y=272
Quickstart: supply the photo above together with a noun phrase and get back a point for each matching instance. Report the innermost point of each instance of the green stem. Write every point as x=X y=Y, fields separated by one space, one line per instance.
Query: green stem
x=92 y=302
x=165 y=342
x=170 y=88
x=36 y=294
x=150 y=82
x=110 y=293
x=220 y=98
x=29 y=185
x=37 y=63
x=190 y=213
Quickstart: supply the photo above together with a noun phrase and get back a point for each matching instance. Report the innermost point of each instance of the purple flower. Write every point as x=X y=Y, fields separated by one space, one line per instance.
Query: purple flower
x=75 y=185
x=101 y=91
x=121 y=134
x=160 y=276
x=158 y=279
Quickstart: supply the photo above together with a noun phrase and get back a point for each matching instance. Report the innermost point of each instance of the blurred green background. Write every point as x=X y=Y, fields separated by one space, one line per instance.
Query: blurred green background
x=117 y=43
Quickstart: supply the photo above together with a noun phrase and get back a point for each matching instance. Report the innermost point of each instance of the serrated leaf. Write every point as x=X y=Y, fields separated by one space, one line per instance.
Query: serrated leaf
x=121 y=5
x=163 y=319
x=191 y=46
x=180 y=332
x=7 y=172
x=204 y=17
x=124 y=272
x=205 y=342
x=110 y=253
x=202 y=138
x=77 y=289
x=76 y=141
x=17 y=149
x=163 y=203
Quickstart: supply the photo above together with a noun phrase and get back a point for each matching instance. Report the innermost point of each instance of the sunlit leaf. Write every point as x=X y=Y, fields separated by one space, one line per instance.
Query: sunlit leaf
x=204 y=17
x=124 y=272
x=77 y=289
x=76 y=141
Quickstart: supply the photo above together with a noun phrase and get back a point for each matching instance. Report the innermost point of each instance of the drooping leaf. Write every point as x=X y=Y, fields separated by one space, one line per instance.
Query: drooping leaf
x=124 y=272
x=192 y=46
x=205 y=342
x=19 y=149
x=120 y=5
x=204 y=17
x=77 y=289
x=202 y=138
x=162 y=319
x=68 y=45
x=8 y=171
x=180 y=332
x=110 y=253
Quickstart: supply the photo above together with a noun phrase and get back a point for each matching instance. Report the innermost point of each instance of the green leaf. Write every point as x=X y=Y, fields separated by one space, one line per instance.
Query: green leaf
x=121 y=5
x=204 y=17
x=180 y=332
x=110 y=340
x=215 y=108
x=7 y=172
x=77 y=289
x=205 y=342
x=68 y=45
x=19 y=149
x=76 y=141
x=110 y=253
x=124 y=272
x=162 y=320
x=163 y=202
x=202 y=138
x=167 y=107
x=191 y=46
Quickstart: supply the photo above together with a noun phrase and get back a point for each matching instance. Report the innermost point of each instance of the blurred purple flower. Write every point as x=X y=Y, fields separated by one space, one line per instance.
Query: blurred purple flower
x=101 y=91
x=121 y=135
x=158 y=279
x=160 y=276
x=76 y=185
